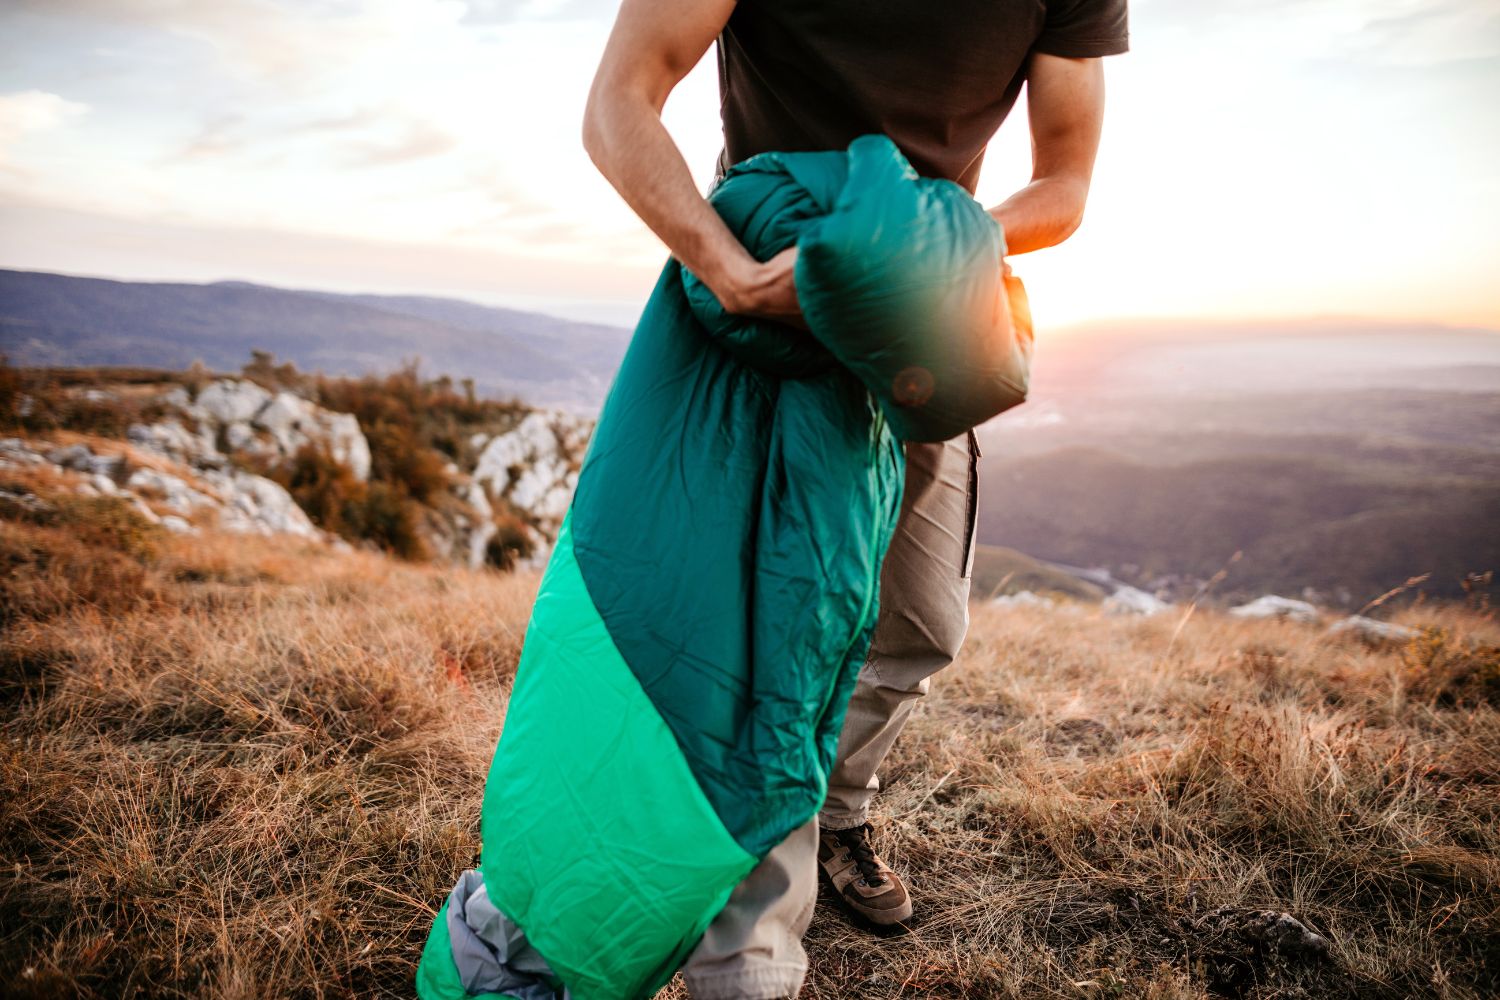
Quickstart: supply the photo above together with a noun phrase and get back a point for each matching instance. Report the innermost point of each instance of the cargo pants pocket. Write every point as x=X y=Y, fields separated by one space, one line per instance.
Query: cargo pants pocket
x=971 y=507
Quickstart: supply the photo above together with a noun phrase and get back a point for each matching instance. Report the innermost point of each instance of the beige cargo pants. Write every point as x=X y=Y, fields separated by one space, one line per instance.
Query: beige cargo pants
x=753 y=949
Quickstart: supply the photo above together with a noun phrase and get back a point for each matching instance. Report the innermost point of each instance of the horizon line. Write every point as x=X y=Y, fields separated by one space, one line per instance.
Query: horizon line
x=1159 y=320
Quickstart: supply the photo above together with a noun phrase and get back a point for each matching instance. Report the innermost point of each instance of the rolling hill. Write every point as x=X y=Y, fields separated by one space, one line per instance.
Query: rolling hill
x=53 y=319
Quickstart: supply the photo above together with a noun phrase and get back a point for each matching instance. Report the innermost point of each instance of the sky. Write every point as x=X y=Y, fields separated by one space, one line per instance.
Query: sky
x=1265 y=159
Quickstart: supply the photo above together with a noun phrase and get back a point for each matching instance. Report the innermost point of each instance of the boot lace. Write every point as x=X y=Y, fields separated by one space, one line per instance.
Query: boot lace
x=857 y=849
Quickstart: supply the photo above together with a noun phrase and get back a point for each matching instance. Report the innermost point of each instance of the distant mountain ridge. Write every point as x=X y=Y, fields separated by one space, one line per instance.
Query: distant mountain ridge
x=1338 y=456
x=54 y=319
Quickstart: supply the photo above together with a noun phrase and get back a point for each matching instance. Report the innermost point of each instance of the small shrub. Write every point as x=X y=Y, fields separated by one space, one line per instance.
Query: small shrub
x=399 y=459
x=1445 y=671
x=85 y=400
x=394 y=522
x=511 y=542
x=326 y=489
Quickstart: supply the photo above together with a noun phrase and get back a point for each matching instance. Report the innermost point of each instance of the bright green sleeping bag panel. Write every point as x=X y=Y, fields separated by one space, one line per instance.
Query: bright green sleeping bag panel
x=713 y=589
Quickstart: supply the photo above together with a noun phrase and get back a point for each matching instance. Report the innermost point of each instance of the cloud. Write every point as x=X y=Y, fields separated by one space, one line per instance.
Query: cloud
x=32 y=111
x=1378 y=33
x=368 y=137
x=1436 y=33
x=418 y=141
x=511 y=11
x=291 y=43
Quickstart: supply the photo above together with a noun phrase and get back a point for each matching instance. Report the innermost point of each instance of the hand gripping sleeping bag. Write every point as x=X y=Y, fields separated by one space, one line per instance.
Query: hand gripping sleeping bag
x=713 y=589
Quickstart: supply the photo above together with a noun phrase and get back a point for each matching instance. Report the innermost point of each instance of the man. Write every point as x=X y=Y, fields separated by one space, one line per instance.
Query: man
x=938 y=78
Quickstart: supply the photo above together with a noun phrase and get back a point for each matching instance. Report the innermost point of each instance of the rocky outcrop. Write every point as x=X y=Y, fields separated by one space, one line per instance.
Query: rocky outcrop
x=232 y=499
x=168 y=490
x=80 y=458
x=248 y=418
x=534 y=469
x=228 y=401
x=459 y=526
x=522 y=481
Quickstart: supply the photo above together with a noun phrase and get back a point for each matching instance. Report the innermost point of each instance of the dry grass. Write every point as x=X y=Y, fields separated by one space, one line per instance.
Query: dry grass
x=253 y=769
x=1078 y=795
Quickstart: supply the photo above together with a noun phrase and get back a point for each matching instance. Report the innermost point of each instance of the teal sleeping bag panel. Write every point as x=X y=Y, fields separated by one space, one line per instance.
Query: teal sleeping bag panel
x=713 y=591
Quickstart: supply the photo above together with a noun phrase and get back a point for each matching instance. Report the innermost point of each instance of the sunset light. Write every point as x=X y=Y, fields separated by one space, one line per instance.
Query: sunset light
x=1291 y=159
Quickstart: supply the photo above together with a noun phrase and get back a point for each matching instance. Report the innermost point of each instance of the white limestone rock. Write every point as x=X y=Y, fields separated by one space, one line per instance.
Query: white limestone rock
x=140 y=508
x=478 y=499
x=14 y=451
x=24 y=499
x=1022 y=599
x=1372 y=631
x=80 y=458
x=293 y=421
x=1133 y=601
x=252 y=420
x=231 y=401
x=244 y=502
x=173 y=492
x=178 y=397
x=1272 y=606
x=170 y=438
x=532 y=466
x=240 y=437
x=255 y=505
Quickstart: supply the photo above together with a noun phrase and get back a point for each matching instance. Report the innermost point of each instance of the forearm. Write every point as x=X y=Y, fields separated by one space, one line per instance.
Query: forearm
x=624 y=135
x=1042 y=214
x=1066 y=110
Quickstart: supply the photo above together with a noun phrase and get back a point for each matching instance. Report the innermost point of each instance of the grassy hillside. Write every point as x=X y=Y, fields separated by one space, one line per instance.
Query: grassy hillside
x=999 y=570
x=236 y=767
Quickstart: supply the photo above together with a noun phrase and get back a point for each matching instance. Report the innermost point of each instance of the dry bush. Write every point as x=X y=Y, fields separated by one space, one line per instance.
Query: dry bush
x=512 y=541
x=103 y=401
x=1453 y=674
x=380 y=510
x=61 y=553
x=264 y=782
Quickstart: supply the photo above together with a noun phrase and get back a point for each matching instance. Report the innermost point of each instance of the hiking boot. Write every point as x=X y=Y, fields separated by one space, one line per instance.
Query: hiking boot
x=865 y=885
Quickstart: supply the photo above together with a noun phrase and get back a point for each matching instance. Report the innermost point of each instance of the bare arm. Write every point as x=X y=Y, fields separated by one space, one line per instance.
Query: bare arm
x=653 y=45
x=1065 y=101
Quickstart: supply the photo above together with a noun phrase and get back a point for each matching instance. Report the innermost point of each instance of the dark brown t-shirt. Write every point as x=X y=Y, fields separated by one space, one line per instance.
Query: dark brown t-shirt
x=937 y=76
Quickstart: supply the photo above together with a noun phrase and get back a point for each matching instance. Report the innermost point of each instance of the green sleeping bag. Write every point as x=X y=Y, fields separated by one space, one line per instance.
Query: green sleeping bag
x=713 y=589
